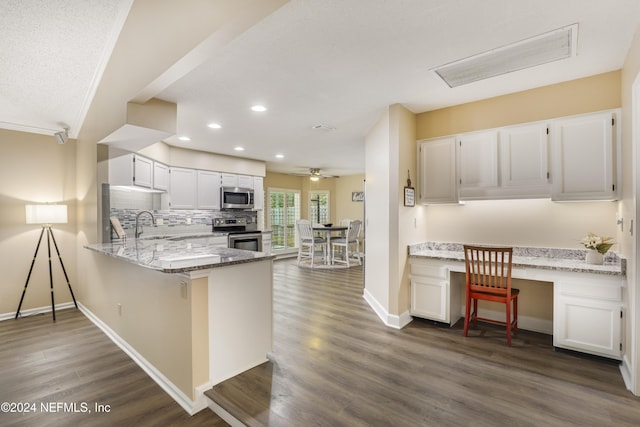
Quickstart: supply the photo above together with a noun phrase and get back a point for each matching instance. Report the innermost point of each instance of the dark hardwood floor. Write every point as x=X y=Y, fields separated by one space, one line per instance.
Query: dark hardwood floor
x=72 y=361
x=335 y=364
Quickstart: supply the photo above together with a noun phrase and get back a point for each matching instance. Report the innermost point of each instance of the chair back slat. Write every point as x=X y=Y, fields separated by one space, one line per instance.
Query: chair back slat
x=304 y=229
x=488 y=269
x=353 y=230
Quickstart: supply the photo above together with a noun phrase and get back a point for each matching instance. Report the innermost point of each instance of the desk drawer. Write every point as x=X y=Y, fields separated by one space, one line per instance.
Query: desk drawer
x=427 y=269
x=602 y=291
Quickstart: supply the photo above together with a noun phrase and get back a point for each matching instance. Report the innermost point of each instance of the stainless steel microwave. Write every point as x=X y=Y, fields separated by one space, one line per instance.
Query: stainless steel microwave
x=236 y=198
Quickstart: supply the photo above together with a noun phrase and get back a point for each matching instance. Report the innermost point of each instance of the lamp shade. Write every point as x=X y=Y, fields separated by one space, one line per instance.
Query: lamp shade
x=46 y=214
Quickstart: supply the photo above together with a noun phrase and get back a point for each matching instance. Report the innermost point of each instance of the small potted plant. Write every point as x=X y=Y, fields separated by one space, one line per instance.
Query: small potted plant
x=596 y=247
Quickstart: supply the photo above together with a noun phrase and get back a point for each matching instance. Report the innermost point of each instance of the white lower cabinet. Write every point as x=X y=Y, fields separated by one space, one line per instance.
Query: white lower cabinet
x=588 y=316
x=587 y=307
x=266 y=243
x=432 y=296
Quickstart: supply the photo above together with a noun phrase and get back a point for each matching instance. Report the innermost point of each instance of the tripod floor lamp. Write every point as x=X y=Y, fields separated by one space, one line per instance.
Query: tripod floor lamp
x=46 y=215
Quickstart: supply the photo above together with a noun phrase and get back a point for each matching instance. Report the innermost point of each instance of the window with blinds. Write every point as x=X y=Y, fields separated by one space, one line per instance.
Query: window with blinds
x=283 y=212
x=319 y=207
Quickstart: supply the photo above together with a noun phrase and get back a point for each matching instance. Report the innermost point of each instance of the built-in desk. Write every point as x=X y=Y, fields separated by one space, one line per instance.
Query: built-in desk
x=588 y=300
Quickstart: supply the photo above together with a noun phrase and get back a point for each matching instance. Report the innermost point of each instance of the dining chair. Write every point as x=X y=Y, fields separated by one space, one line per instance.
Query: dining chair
x=308 y=242
x=347 y=242
x=344 y=223
x=488 y=278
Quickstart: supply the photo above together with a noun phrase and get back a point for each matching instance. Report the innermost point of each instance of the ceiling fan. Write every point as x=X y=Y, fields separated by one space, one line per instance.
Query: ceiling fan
x=314 y=174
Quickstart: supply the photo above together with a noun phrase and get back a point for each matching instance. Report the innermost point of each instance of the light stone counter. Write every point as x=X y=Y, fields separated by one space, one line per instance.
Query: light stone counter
x=544 y=258
x=170 y=255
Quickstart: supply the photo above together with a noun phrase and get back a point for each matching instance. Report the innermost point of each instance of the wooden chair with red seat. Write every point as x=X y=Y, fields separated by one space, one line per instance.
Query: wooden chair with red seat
x=488 y=278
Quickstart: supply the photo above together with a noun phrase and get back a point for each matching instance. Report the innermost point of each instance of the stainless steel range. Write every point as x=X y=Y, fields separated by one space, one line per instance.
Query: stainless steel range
x=242 y=234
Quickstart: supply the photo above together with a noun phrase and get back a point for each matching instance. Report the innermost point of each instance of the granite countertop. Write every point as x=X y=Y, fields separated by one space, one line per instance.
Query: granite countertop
x=544 y=258
x=170 y=255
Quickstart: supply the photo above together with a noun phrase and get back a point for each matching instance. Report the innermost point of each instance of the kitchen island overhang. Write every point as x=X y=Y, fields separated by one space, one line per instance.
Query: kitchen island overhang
x=191 y=315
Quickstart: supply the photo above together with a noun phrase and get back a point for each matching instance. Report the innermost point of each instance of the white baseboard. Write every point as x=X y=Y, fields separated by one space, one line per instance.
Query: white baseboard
x=37 y=310
x=391 y=320
x=202 y=401
x=190 y=406
x=626 y=372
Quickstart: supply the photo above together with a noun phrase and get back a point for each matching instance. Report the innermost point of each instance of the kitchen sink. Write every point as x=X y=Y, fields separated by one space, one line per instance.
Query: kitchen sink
x=182 y=261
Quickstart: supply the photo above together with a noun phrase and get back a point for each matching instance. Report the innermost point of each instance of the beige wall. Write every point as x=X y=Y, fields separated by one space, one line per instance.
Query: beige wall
x=155 y=317
x=180 y=157
x=595 y=93
x=35 y=169
x=346 y=208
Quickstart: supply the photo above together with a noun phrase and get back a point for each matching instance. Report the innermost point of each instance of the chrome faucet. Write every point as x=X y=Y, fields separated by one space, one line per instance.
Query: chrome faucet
x=139 y=231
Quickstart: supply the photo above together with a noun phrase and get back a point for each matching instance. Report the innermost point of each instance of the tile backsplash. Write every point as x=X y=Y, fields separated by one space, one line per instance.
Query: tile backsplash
x=127 y=204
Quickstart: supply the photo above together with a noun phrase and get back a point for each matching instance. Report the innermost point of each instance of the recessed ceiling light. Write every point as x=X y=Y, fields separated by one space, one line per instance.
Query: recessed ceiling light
x=279 y=156
x=258 y=108
x=184 y=138
x=214 y=125
x=239 y=148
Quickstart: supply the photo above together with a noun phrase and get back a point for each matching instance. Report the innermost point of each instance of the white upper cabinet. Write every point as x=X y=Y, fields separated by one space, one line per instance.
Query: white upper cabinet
x=437 y=176
x=583 y=157
x=143 y=171
x=574 y=158
x=245 y=181
x=233 y=180
x=160 y=176
x=129 y=169
x=208 y=190
x=258 y=193
x=478 y=163
x=228 y=180
x=524 y=159
x=183 y=188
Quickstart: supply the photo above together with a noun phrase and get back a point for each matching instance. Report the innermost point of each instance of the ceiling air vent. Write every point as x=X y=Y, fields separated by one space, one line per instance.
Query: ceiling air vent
x=542 y=49
x=322 y=126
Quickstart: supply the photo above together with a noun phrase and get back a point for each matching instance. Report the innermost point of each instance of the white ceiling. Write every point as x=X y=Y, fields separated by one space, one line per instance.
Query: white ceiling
x=52 y=55
x=338 y=63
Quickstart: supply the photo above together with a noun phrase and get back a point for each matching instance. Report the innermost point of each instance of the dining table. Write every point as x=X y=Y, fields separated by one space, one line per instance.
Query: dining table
x=327 y=234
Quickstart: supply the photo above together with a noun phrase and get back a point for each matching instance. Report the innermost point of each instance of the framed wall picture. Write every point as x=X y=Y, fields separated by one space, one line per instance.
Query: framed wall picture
x=357 y=196
x=409 y=196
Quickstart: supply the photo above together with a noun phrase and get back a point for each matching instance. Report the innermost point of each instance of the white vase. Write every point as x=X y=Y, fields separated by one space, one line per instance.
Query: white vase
x=594 y=257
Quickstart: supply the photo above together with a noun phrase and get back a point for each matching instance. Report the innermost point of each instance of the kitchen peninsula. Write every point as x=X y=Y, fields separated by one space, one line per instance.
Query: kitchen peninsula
x=191 y=314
